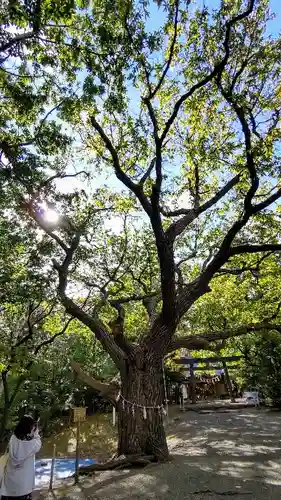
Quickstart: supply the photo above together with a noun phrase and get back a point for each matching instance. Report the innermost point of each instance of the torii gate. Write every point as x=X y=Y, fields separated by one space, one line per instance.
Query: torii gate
x=214 y=359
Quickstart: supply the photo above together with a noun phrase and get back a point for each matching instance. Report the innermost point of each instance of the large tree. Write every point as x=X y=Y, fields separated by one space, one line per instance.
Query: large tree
x=187 y=118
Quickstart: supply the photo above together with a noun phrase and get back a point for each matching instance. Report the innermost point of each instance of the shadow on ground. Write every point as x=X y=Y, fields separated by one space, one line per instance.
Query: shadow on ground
x=215 y=455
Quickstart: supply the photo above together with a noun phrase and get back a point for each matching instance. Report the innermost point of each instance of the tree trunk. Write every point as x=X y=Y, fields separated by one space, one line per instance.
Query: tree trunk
x=141 y=411
x=4 y=421
x=6 y=406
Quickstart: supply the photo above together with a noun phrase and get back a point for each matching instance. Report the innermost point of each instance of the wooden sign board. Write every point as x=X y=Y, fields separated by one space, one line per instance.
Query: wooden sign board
x=79 y=414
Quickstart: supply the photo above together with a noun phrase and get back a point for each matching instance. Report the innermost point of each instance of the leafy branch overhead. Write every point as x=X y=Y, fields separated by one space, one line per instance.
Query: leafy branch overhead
x=184 y=121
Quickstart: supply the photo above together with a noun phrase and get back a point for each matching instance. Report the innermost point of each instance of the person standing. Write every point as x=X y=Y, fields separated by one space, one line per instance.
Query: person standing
x=19 y=477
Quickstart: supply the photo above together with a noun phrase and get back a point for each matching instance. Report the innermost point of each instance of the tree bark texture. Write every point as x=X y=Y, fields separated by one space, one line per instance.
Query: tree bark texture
x=4 y=421
x=140 y=411
x=6 y=406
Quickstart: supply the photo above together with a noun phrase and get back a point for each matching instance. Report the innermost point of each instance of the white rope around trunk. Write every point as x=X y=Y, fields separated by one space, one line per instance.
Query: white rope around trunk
x=144 y=408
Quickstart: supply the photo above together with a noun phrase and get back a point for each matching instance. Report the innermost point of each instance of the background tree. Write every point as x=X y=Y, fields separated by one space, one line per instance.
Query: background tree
x=25 y=331
x=244 y=295
x=261 y=368
x=197 y=157
x=46 y=386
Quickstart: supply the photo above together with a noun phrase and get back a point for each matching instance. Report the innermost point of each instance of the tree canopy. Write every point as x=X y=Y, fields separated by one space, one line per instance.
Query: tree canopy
x=174 y=129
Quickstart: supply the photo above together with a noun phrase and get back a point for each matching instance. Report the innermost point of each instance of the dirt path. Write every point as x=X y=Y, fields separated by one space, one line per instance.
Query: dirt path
x=227 y=455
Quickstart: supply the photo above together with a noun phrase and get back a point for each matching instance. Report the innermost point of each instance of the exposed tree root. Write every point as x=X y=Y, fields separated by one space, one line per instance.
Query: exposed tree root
x=119 y=463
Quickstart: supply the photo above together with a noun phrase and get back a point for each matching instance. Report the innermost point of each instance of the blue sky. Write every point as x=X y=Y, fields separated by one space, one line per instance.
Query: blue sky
x=275 y=6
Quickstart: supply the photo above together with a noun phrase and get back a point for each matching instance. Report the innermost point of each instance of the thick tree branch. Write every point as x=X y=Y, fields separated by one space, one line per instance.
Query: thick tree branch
x=108 y=391
x=250 y=209
x=4 y=376
x=133 y=298
x=35 y=23
x=177 y=227
x=53 y=337
x=226 y=251
x=266 y=247
x=204 y=341
x=45 y=226
x=148 y=172
x=141 y=58
x=17 y=387
x=117 y=328
x=153 y=118
x=250 y=163
x=30 y=333
x=73 y=309
x=217 y=71
x=179 y=272
x=254 y=268
x=171 y=51
x=117 y=355
x=164 y=247
x=200 y=286
x=120 y=174
x=61 y=176
x=150 y=304
x=268 y=201
x=15 y=40
x=40 y=127
x=21 y=379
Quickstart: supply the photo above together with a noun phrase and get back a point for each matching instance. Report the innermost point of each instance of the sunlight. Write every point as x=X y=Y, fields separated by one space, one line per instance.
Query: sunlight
x=51 y=216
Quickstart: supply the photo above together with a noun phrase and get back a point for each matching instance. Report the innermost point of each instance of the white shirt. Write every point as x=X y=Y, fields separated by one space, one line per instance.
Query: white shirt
x=19 y=478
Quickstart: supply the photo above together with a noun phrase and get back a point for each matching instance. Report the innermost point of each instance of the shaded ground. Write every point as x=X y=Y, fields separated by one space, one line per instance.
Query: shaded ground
x=98 y=437
x=235 y=454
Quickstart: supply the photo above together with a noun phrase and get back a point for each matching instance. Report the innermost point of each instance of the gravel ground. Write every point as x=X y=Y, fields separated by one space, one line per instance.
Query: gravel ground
x=216 y=455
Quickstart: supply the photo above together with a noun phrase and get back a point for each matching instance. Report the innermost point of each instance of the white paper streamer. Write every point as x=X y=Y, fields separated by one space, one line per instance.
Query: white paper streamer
x=133 y=407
